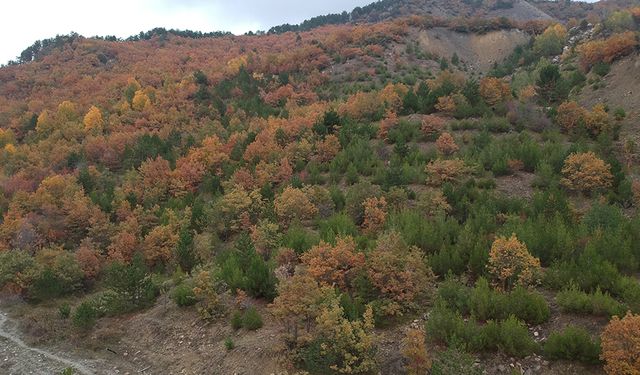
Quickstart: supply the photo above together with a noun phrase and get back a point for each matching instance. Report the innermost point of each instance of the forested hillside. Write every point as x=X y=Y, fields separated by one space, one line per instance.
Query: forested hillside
x=392 y=194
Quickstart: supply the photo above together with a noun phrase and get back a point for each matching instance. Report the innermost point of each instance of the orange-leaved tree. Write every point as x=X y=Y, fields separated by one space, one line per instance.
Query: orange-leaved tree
x=334 y=265
x=597 y=120
x=606 y=50
x=570 y=114
x=446 y=145
x=375 y=214
x=400 y=275
x=432 y=125
x=621 y=346
x=586 y=172
x=510 y=264
x=441 y=171
x=494 y=90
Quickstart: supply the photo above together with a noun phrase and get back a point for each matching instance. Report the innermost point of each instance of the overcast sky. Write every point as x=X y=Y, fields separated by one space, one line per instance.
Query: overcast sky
x=25 y=21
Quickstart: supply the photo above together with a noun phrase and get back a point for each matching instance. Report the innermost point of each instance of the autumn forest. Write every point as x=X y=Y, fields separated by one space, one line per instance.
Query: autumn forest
x=335 y=197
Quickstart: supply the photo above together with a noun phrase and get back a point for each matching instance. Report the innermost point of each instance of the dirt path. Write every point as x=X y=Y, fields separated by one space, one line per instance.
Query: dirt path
x=16 y=357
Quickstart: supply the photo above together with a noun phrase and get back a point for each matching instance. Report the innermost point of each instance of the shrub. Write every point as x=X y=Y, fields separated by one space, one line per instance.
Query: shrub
x=573 y=343
x=314 y=359
x=444 y=325
x=229 y=344
x=448 y=259
x=551 y=41
x=338 y=225
x=515 y=339
x=601 y=68
x=236 y=320
x=85 y=316
x=64 y=311
x=486 y=304
x=300 y=239
x=183 y=295
x=260 y=279
x=510 y=336
x=573 y=300
x=606 y=50
x=251 y=319
x=57 y=273
x=620 y=345
x=528 y=306
x=454 y=361
x=619 y=114
x=132 y=285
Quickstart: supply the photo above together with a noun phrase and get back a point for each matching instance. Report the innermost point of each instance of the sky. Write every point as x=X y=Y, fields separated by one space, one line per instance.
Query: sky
x=25 y=21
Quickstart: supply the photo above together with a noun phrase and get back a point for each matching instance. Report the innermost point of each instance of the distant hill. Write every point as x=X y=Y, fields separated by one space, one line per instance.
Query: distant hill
x=516 y=10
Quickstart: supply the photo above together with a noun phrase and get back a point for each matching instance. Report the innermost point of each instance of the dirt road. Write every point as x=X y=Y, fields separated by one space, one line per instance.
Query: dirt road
x=16 y=357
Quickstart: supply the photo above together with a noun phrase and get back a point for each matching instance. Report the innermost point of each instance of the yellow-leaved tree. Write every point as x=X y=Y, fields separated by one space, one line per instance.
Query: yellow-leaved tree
x=584 y=171
x=93 y=122
x=511 y=264
x=415 y=352
x=350 y=343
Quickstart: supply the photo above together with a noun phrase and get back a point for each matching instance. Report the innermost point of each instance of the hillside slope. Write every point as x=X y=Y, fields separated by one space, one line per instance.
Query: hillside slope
x=518 y=10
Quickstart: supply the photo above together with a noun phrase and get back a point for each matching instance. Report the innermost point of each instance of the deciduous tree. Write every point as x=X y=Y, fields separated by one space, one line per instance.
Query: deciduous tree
x=494 y=90
x=297 y=306
x=441 y=171
x=621 y=345
x=586 y=172
x=415 y=352
x=511 y=264
x=375 y=214
x=570 y=114
x=334 y=265
x=446 y=145
x=400 y=275
x=351 y=343
x=293 y=204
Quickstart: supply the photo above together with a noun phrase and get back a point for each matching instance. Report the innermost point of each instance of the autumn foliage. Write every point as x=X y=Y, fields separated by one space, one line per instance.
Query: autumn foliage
x=399 y=274
x=441 y=171
x=446 y=145
x=494 y=90
x=621 y=345
x=432 y=125
x=570 y=114
x=334 y=265
x=511 y=264
x=294 y=204
x=375 y=214
x=586 y=172
x=415 y=352
x=607 y=50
